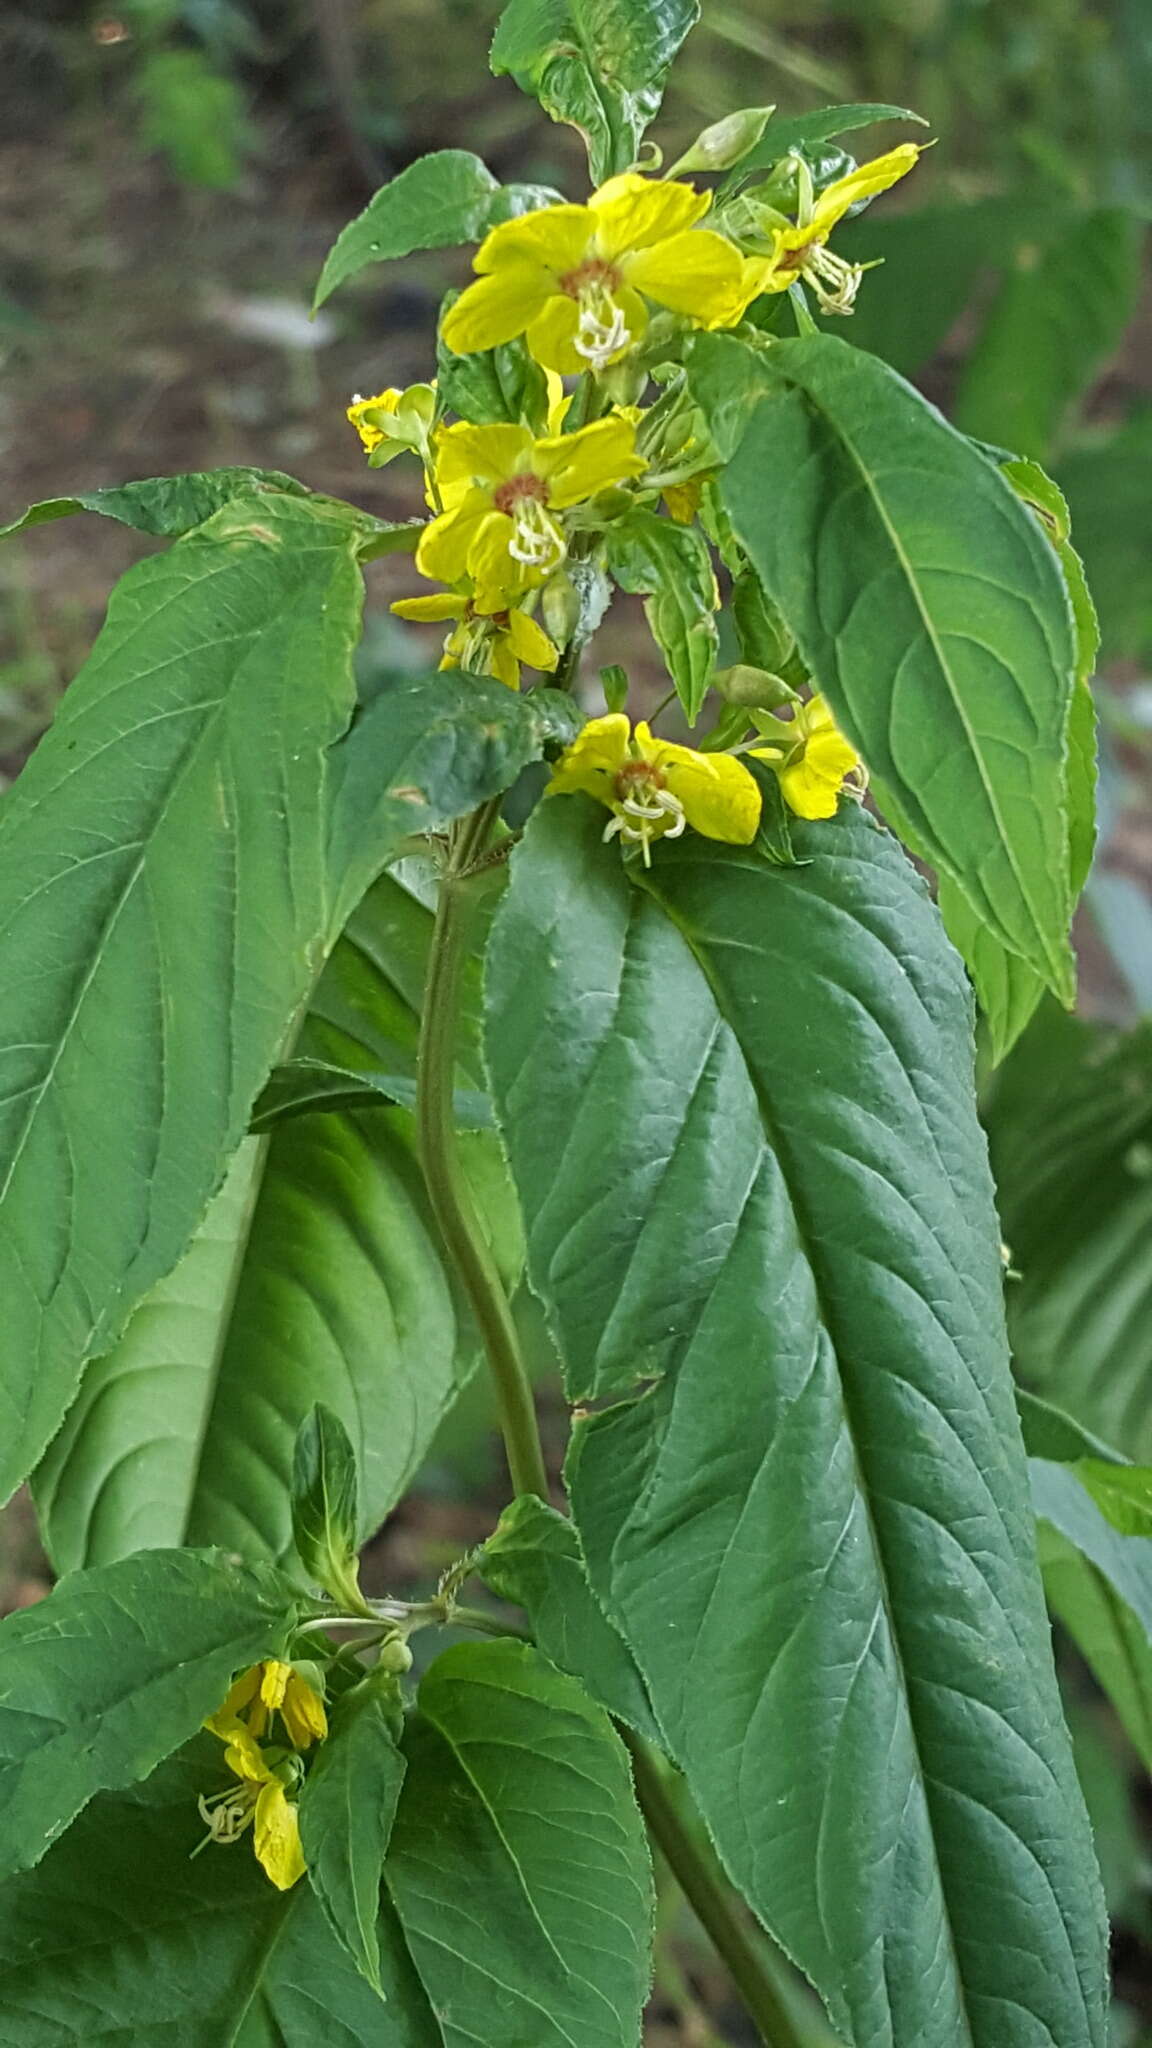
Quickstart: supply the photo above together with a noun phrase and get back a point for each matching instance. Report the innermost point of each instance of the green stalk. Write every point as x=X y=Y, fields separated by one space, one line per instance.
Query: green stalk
x=448 y=1190
x=712 y=1900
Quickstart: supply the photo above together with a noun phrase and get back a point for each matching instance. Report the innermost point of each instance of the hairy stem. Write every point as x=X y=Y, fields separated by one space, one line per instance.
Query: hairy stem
x=451 y=1198
x=712 y=1900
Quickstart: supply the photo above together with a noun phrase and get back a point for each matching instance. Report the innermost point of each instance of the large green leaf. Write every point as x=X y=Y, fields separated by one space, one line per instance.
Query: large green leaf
x=600 y=64
x=533 y=1557
x=438 y=202
x=1070 y=1124
x=738 y=1106
x=112 y=1672
x=163 y=900
x=346 y=1812
x=315 y=1276
x=162 y=505
x=124 y=1935
x=933 y=614
x=518 y=1864
x=1060 y=312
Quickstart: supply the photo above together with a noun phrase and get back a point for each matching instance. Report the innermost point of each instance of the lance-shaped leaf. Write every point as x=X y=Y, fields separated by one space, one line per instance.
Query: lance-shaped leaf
x=438 y=202
x=738 y=1105
x=801 y=131
x=599 y=64
x=326 y=1504
x=165 y=506
x=518 y=1865
x=347 y=1808
x=933 y=614
x=123 y=1928
x=113 y=1671
x=671 y=567
x=316 y=1275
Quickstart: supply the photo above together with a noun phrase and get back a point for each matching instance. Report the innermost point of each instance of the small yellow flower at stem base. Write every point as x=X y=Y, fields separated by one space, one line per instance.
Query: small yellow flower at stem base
x=502 y=490
x=493 y=644
x=260 y=1801
x=271 y=1688
x=813 y=762
x=655 y=788
x=573 y=279
x=394 y=421
x=277 y=1836
x=801 y=251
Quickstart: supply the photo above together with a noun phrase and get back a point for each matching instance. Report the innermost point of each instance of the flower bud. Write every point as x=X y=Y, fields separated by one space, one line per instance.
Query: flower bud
x=726 y=142
x=754 y=687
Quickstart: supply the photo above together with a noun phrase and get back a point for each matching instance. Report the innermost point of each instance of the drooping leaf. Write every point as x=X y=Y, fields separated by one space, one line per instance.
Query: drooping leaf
x=164 y=895
x=347 y=1808
x=1060 y=311
x=166 y=506
x=933 y=615
x=123 y=1934
x=518 y=1864
x=438 y=202
x=533 y=1558
x=326 y=1503
x=1070 y=1126
x=598 y=64
x=113 y=1671
x=671 y=566
x=807 y=1513
x=824 y=124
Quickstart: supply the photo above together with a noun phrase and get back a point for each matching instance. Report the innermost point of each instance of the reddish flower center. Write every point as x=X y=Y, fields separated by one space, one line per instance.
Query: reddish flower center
x=593 y=272
x=638 y=779
x=507 y=496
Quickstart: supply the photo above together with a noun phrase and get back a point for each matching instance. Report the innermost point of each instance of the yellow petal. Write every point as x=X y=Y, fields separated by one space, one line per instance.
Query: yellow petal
x=807 y=793
x=634 y=212
x=594 y=758
x=551 y=339
x=501 y=662
x=683 y=501
x=442 y=554
x=277 y=1837
x=443 y=604
x=371 y=435
x=530 y=643
x=697 y=273
x=274 y=1677
x=862 y=183
x=302 y=1712
x=578 y=465
x=498 y=577
x=559 y=401
x=481 y=455
x=244 y=1756
x=495 y=309
x=242 y=1692
x=721 y=797
x=553 y=238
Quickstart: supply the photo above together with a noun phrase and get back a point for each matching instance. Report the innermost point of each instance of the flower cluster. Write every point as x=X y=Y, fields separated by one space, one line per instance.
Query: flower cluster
x=268 y=1773
x=600 y=292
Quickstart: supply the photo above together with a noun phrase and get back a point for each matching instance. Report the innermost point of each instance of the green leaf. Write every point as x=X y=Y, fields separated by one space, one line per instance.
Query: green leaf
x=1061 y=311
x=738 y=1107
x=1123 y=1493
x=670 y=564
x=1070 y=1126
x=534 y=1559
x=494 y=384
x=518 y=1864
x=124 y=1930
x=727 y=378
x=824 y=124
x=325 y=1504
x=1049 y=1433
x=346 y=1812
x=113 y=1671
x=1105 y=480
x=167 y=506
x=163 y=896
x=1099 y=1584
x=438 y=202
x=306 y=1085
x=932 y=614
x=598 y=64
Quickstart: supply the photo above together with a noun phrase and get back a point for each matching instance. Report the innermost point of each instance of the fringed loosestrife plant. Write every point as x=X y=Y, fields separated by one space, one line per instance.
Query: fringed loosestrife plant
x=340 y=1024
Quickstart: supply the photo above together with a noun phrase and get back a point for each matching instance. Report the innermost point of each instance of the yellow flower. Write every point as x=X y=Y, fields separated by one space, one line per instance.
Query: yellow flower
x=259 y=1800
x=801 y=252
x=815 y=760
x=502 y=489
x=655 y=788
x=266 y=1689
x=393 y=421
x=574 y=279
x=486 y=645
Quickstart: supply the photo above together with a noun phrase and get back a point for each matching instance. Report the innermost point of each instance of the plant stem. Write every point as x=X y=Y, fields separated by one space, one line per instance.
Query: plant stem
x=448 y=1190
x=712 y=1900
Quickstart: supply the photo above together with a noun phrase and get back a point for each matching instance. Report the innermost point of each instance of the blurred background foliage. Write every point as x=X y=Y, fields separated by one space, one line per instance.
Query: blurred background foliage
x=172 y=176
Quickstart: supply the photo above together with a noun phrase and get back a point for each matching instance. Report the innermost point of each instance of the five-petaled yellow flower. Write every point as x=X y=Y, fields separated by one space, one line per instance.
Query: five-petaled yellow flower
x=487 y=645
x=655 y=788
x=814 y=761
x=574 y=279
x=394 y=421
x=502 y=489
x=259 y=1800
x=272 y=1688
x=801 y=251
